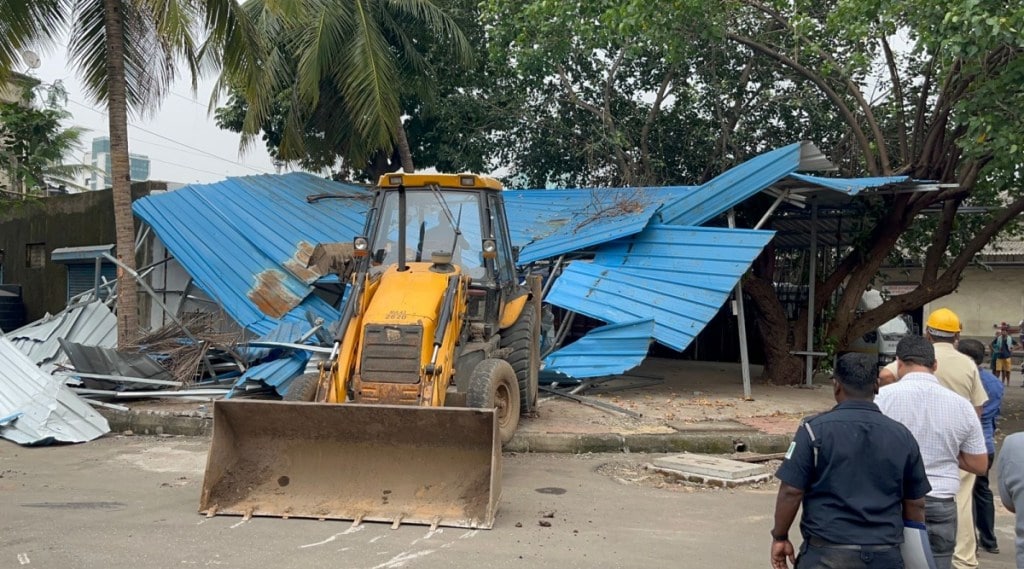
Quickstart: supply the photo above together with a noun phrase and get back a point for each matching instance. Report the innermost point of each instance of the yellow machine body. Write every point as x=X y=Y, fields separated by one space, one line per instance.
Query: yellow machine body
x=376 y=441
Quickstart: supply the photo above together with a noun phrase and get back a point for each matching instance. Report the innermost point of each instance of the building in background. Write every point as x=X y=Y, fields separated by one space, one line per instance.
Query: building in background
x=14 y=90
x=100 y=177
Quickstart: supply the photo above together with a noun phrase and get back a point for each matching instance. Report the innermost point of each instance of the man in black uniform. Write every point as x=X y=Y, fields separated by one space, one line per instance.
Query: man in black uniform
x=858 y=474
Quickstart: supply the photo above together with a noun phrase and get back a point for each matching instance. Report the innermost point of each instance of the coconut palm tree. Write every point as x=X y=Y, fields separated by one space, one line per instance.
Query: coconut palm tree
x=348 y=63
x=127 y=52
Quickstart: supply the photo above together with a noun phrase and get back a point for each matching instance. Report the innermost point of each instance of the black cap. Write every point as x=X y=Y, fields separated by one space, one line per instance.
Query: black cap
x=916 y=350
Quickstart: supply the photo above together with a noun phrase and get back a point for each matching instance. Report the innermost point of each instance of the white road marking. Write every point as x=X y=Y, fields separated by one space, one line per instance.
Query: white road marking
x=374 y=540
x=23 y=559
x=429 y=534
x=350 y=530
x=469 y=534
x=239 y=523
x=344 y=549
x=401 y=559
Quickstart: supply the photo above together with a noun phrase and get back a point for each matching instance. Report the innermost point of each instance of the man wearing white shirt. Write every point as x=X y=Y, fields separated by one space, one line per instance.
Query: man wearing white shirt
x=948 y=433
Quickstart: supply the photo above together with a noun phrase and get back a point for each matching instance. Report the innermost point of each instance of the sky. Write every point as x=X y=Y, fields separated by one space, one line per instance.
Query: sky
x=181 y=138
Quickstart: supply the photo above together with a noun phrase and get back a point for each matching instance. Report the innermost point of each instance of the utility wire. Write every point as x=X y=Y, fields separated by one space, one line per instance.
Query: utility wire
x=158 y=135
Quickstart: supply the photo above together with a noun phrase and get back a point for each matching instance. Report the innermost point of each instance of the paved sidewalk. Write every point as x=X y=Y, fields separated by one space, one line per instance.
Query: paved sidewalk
x=696 y=407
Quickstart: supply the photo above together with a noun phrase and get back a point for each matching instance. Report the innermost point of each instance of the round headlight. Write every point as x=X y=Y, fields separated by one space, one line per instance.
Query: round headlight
x=489 y=246
x=360 y=244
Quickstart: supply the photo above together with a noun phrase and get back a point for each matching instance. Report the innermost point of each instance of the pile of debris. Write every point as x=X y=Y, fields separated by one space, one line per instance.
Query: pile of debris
x=55 y=371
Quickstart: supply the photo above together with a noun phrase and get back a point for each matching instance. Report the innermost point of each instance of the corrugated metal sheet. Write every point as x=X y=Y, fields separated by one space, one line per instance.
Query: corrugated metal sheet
x=276 y=373
x=37 y=409
x=737 y=184
x=677 y=276
x=608 y=350
x=246 y=241
x=547 y=223
x=586 y=230
x=107 y=361
x=92 y=324
x=850 y=186
x=84 y=253
x=286 y=332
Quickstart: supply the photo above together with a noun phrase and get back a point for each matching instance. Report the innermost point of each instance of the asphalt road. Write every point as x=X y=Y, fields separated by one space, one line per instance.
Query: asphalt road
x=125 y=502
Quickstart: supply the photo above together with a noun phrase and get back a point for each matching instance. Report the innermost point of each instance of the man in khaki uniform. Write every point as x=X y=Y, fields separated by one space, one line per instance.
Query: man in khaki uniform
x=958 y=373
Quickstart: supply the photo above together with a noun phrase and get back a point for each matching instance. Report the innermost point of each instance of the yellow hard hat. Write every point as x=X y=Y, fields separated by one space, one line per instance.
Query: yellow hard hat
x=943 y=320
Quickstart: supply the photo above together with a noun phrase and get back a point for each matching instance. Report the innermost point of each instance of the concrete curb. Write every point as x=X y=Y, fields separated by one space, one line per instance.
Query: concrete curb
x=708 y=442
x=157 y=423
x=705 y=442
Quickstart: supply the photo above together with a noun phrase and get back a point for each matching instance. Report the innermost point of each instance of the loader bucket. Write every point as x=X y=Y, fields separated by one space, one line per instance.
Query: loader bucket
x=382 y=463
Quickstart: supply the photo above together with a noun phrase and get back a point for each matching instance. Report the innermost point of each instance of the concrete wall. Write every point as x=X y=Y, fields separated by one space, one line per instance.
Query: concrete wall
x=60 y=221
x=984 y=297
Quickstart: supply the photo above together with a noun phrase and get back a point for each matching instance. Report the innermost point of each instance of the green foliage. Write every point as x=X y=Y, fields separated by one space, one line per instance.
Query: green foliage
x=35 y=146
x=338 y=76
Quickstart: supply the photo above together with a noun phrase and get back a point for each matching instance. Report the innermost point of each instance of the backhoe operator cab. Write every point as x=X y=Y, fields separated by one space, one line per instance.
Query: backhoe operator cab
x=440 y=219
x=438 y=276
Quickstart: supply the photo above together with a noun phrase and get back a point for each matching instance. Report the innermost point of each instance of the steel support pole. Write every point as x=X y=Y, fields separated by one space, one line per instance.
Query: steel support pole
x=742 y=321
x=97 y=271
x=812 y=278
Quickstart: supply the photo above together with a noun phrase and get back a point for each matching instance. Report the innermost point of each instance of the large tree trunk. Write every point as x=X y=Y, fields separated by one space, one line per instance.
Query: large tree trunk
x=404 y=151
x=780 y=366
x=124 y=221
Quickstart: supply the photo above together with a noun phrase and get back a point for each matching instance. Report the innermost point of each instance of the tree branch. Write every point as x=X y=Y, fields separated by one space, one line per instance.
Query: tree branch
x=897 y=91
x=922 y=101
x=620 y=156
x=729 y=124
x=851 y=86
x=940 y=241
x=652 y=115
x=818 y=81
x=942 y=286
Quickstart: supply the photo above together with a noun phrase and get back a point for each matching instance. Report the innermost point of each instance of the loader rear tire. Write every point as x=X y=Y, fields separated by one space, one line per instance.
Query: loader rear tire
x=493 y=386
x=524 y=339
x=303 y=388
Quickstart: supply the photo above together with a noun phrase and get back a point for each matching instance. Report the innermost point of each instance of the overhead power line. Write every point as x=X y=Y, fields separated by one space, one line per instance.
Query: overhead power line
x=199 y=151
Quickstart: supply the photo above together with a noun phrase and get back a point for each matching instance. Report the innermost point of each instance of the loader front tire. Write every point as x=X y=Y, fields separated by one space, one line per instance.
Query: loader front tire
x=523 y=338
x=303 y=388
x=493 y=385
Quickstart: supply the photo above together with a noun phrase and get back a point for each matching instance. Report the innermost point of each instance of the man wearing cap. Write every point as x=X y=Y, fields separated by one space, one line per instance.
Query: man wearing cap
x=858 y=475
x=948 y=432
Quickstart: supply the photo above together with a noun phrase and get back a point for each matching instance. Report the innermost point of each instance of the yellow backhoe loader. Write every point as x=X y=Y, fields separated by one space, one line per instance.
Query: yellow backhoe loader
x=436 y=356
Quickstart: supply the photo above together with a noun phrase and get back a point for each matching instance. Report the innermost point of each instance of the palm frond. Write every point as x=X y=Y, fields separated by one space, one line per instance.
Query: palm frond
x=437 y=20
x=174 y=23
x=29 y=23
x=149 y=65
x=367 y=76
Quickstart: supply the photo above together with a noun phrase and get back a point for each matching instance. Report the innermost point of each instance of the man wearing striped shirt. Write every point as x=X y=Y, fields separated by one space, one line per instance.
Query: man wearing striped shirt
x=948 y=433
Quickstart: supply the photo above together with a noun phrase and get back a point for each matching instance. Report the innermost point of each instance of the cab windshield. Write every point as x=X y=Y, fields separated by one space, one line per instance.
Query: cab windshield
x=429 y=229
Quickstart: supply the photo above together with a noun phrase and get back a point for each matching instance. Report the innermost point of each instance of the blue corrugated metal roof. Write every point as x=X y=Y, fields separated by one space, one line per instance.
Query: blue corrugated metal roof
x=737 y=184
x=245 y=241
x=548 y=223
x=286 y=332
x=276 y=373
x=850 y=186
x=608 y=350
x=677 y=276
